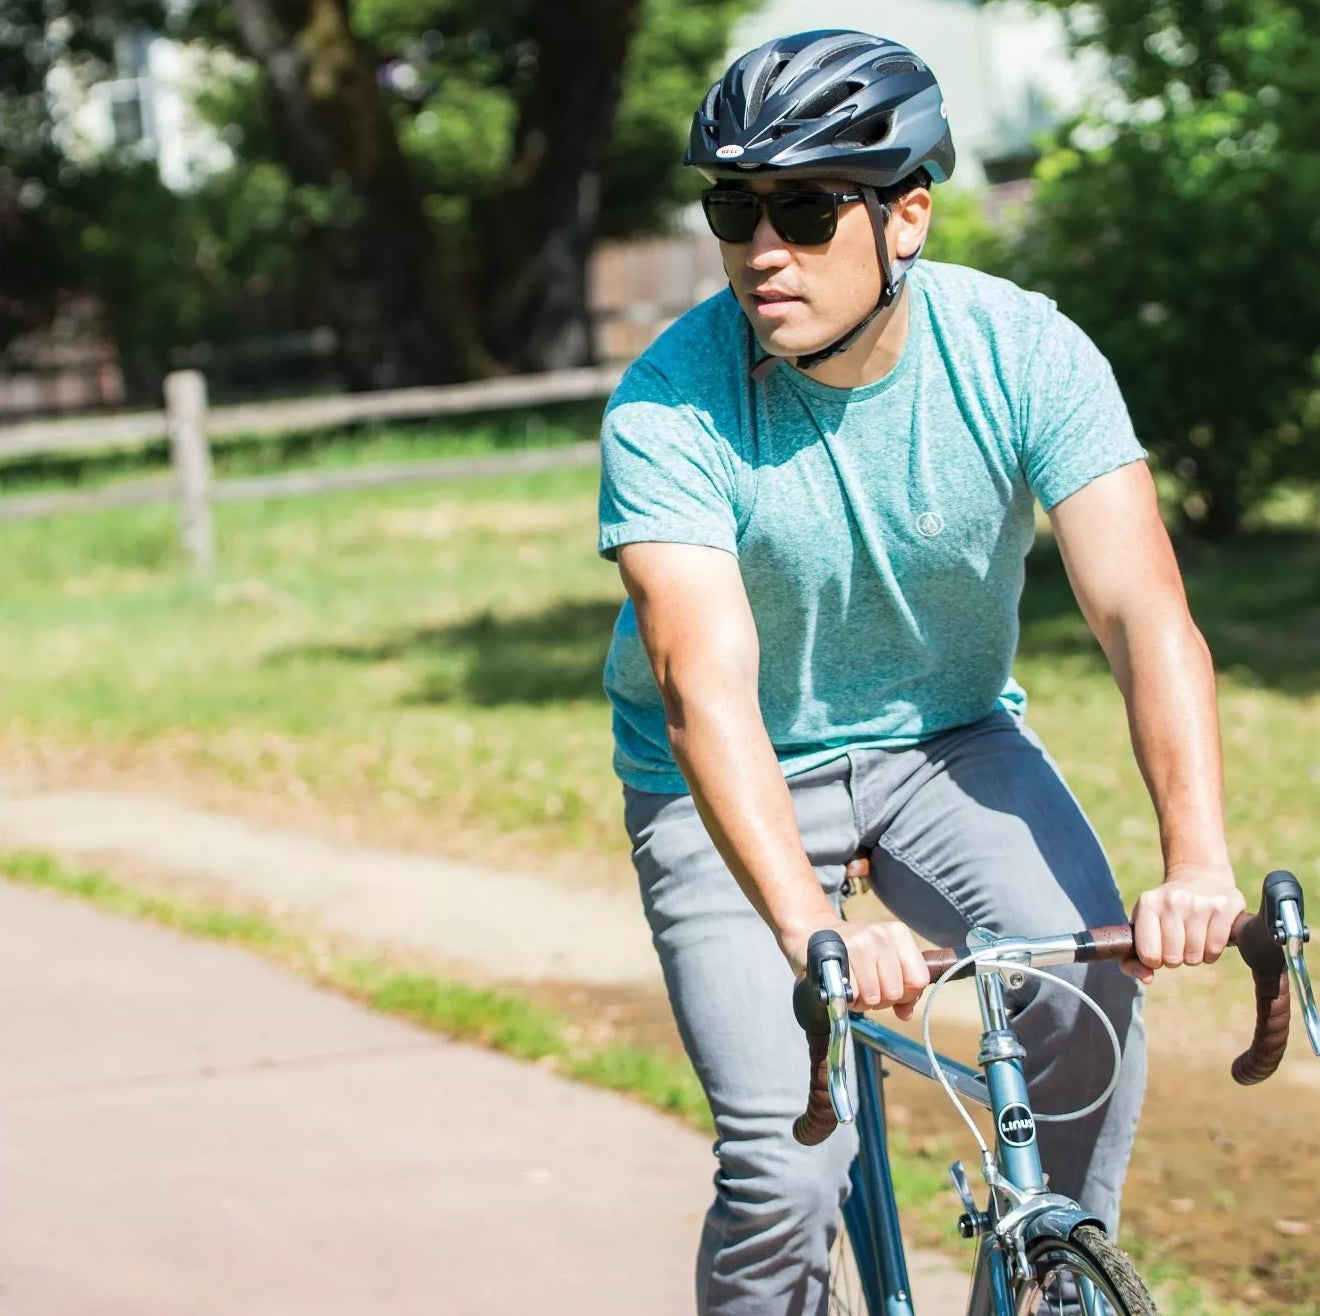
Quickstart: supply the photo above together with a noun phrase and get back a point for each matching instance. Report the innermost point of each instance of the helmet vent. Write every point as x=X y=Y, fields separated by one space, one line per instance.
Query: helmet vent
x=766 y=78
x=896 y=64
x=839 y=52
x=871 y=131
x=829 y=99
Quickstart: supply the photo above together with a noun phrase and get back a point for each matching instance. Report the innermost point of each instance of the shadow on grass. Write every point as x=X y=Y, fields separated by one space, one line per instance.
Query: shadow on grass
x=1256 y=600
x=548 y=657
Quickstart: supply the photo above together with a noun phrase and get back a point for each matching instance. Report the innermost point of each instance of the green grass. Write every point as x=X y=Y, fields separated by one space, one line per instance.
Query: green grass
x=431 y=656
x=432 y=652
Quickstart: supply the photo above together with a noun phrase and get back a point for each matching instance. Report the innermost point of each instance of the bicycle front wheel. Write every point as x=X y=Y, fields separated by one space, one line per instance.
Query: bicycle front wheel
x=1083 y=1275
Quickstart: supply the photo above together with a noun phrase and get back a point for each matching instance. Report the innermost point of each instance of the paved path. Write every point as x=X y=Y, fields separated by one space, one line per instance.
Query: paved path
x=189 y=1131
x=436 y=906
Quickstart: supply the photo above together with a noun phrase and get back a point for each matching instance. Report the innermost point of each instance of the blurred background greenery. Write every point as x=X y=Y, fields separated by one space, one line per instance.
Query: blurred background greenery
x=377 y=194
x=429 y=183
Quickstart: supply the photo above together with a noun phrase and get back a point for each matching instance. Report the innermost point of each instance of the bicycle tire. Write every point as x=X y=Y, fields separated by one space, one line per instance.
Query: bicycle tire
x=1087 y=1254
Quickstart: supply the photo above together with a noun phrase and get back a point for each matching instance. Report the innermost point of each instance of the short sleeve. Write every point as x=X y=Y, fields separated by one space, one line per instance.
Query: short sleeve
x=1076 y=425
x=665 y=475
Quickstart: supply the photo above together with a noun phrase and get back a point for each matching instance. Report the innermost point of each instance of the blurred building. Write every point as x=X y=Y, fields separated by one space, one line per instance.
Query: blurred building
x=1004 y=67
x=146 y=109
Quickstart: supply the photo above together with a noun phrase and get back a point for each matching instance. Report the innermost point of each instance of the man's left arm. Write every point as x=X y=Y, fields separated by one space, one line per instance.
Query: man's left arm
x=1126 y=579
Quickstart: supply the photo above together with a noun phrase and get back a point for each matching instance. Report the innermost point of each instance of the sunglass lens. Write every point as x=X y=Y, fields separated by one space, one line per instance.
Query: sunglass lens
x=731 y=215
x=805 y=219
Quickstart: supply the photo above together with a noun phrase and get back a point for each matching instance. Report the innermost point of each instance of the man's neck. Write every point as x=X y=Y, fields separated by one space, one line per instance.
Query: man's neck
x=873 y=355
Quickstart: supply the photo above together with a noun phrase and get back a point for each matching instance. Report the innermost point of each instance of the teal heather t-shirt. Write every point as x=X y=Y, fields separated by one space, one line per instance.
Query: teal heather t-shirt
x=880 y=531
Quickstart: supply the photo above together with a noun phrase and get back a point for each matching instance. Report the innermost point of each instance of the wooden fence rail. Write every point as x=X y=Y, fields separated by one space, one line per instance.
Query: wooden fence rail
x=189 y=425
x=100 y=433
x=636 y=289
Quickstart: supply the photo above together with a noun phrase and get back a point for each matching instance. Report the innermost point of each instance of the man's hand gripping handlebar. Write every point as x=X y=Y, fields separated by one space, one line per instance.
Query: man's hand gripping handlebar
x=1270 y=941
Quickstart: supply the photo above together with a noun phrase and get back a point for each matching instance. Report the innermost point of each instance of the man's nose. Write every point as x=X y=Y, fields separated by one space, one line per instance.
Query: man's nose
x=765 y=241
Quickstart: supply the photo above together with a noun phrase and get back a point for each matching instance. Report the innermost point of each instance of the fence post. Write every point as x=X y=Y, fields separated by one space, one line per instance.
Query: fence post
x=185 y=406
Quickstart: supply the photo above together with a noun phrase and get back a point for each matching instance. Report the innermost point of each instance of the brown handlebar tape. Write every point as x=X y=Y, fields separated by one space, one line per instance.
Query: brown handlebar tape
x=1249 y=934
x=818 y=1121
x=1269 y=970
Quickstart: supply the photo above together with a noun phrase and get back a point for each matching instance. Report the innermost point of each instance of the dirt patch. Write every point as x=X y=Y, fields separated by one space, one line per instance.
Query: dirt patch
x=1226 y=1178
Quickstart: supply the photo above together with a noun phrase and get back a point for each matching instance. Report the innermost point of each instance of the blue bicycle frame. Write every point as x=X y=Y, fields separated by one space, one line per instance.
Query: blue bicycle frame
x=1023 y=1222
x=871 y=1211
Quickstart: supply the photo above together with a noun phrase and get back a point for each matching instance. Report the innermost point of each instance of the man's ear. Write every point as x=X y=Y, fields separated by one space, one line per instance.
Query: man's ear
x=910 y=221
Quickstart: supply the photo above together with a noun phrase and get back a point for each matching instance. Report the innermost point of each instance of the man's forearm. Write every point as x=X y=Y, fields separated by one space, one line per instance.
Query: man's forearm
x=1164 y=670
x=721 y=746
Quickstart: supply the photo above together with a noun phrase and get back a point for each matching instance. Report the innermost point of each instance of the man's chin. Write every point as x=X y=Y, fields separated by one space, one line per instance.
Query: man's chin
x=776 y=343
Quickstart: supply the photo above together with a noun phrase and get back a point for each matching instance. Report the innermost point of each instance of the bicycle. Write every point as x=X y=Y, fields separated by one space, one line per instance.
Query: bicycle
x=1037 y=1252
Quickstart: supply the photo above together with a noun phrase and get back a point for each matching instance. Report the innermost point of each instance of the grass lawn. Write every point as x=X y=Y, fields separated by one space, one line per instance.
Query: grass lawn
x=425 y=664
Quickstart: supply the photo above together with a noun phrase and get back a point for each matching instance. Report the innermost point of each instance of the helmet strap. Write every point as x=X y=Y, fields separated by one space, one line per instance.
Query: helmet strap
x=891 y=280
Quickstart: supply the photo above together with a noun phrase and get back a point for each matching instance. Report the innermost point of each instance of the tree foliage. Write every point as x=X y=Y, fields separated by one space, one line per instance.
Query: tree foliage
x=92 y=228
x=963 y=232
x=429 y=176
x=1183 y=232
x=47 y=190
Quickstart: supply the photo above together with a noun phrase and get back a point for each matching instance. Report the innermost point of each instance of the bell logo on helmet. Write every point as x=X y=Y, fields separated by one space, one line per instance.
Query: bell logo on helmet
x=728 y=152
x=944 y=110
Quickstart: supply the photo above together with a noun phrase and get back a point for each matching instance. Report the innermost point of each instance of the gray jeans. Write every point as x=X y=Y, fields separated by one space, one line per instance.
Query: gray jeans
x=974 y=827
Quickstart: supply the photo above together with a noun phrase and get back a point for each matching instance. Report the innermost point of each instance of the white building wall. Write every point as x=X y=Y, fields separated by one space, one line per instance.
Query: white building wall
x=151 y=97
x=1004 y=68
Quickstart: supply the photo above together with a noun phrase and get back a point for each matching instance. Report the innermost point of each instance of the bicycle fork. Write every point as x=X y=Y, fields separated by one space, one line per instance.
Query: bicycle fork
x=1020 y=1206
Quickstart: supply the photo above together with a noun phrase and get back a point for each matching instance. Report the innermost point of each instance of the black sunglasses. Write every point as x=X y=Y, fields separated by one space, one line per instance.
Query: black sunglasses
x=806 y=218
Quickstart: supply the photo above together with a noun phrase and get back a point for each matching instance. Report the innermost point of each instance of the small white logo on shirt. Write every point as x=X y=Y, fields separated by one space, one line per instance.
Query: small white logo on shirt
x=930 y=524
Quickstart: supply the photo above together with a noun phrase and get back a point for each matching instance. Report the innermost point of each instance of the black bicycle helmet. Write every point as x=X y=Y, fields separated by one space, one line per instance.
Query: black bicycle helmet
x=834 y=104
x=831 y=102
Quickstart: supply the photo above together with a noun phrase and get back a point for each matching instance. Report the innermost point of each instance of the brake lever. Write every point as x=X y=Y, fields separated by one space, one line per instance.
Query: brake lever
x=1292 y=934
x=836 y=1002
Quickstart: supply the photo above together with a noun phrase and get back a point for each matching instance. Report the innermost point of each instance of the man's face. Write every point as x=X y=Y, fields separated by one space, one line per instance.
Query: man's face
x=799 y=298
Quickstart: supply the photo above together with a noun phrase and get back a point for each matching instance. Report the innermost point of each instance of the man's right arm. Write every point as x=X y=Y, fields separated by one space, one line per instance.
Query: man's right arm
x=700 y=636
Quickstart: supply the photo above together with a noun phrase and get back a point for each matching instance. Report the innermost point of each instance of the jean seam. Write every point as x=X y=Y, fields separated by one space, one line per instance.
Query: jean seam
x=926 y=875
x=853 y=777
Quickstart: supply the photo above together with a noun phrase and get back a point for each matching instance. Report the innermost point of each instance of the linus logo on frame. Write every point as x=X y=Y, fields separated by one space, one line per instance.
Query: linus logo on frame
x=1017 y=1128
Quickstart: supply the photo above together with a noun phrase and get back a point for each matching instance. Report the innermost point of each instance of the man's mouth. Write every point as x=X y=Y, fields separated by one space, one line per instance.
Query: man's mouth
x=772 y=303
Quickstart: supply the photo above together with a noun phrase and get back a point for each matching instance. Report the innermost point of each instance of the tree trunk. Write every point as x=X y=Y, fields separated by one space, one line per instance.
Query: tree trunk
x=535 y=238
x=1224 y=507
x=335 y=131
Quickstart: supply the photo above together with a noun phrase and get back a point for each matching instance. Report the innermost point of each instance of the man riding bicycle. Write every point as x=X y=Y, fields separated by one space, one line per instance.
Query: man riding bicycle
x=819 y=487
